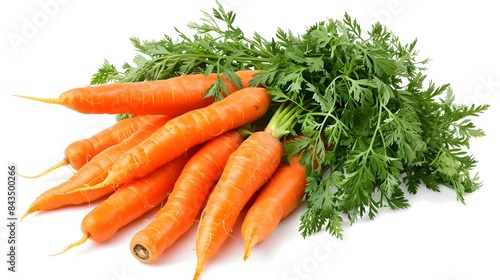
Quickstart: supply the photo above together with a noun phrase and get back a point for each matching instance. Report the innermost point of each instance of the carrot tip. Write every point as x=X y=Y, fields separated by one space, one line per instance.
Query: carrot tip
x=247 y=254
x=82 y=240
x=199 y=269
x=63 y=162
x=249 y=244
x=25 y=214
x=41 y=99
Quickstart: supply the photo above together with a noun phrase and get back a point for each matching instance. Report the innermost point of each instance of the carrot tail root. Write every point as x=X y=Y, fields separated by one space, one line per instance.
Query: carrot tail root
x=42 y=99
x=82 y=240
x=62 y=163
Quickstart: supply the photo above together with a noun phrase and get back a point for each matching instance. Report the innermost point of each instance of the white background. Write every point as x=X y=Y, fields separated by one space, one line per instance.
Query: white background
x=50 y=46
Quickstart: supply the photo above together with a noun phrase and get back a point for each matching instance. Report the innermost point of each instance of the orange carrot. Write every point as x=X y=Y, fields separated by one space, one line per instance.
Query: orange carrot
x=92 y=173
x=78 y=153
x=187 y=198
x=247 y=169
x=171 y=97
x=129 y=202
x=277 y=198
x=187 y=130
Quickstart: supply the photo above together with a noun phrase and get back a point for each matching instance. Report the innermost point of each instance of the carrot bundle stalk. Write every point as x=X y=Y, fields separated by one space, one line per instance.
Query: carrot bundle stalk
x=185 y=202
x=187 y=130
x=247 y=169
x=171 y=97
x=78 y=153
x=131 y=201
x=276 y=200
x=93 y=172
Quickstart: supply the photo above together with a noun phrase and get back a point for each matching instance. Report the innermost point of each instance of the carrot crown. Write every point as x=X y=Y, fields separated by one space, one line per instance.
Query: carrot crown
x=283 y=120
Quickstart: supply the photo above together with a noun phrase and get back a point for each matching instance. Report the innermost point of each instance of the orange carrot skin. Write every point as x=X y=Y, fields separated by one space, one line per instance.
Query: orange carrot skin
x=82 y=151
x=187 y=130
x=171 y=97
x=93 y=172
x=132 y=200
x=187 y=198
x=276 y=200
x=246 y=170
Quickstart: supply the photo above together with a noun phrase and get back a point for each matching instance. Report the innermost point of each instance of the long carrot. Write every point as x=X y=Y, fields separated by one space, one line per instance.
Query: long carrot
x=129 y=202
x=247 y=169
x=92 y=173
x=78 y=153
x=187 y=130
x=187 y=198
x=277 y=198
x=171 y=97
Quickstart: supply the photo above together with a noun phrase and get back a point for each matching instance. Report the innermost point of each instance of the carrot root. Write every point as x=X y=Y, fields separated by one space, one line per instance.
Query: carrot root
x=62 y=163
x=42 y=99
x=82 y=240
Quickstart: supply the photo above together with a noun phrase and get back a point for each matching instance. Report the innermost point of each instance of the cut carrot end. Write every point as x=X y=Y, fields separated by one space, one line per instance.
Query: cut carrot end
x=141 y=252
x=41 y=99
x=63 y=162
x=82 y=240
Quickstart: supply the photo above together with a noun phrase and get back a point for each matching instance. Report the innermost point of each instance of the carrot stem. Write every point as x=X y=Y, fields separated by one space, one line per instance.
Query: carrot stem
x=283 y=120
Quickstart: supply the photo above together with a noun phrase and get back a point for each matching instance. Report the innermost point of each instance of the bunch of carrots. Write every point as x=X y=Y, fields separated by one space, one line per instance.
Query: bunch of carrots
x=211 y=122
x=195 y=157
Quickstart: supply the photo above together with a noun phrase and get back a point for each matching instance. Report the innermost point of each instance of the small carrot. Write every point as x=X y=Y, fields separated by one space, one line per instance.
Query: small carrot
x=277 y=198
x=171 y=97
x=246 y=170
x=78 y=153
x=187 y=198
x=92 y=173
x=187 y=130
x=131 y=201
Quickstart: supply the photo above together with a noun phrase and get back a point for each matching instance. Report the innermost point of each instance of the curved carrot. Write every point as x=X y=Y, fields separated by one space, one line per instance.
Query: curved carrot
x=129 y=202
x=277 y=198
x=247 y=170
x=187 y=198
x=171 y=97
x=187 y=130
x=92 y=173
x=78 y=153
